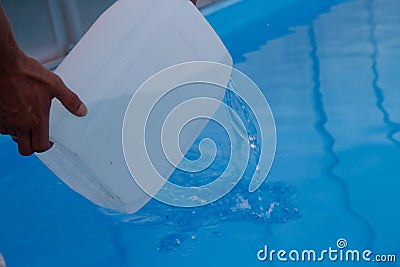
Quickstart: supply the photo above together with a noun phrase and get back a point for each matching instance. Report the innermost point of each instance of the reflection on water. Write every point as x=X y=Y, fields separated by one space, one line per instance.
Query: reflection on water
x=329 y=140
x=393 y=127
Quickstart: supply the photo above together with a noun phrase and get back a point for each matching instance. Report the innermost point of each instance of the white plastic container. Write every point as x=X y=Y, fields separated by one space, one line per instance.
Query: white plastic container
x=130 y=42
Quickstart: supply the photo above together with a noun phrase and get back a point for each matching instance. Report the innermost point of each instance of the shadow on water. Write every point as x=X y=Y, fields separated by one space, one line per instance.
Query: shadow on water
x=328 y=138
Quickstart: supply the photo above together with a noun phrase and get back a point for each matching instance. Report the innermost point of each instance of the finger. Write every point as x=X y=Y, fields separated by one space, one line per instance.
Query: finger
x=40 y=137
x=69 y=99
x=24 y=143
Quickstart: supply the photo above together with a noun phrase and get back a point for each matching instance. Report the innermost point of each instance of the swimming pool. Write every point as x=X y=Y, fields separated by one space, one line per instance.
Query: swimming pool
x=328 y=70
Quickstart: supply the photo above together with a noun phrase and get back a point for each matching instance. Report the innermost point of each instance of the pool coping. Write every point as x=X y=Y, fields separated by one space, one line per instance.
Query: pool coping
x=204 y=3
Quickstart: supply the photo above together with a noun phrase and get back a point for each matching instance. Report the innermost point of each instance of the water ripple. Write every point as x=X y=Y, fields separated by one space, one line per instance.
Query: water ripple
x=274 y=203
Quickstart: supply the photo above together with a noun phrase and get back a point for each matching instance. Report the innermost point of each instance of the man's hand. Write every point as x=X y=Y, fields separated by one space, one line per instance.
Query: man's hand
x=26 y=91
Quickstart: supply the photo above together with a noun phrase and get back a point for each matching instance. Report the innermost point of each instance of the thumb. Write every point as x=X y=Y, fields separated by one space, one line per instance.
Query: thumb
x=69 y=99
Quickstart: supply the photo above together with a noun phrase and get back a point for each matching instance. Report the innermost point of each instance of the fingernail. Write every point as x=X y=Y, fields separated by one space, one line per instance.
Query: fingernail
x=82 y=111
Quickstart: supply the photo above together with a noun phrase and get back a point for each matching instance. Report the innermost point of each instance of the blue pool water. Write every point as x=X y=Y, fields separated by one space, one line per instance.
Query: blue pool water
x=329 y=71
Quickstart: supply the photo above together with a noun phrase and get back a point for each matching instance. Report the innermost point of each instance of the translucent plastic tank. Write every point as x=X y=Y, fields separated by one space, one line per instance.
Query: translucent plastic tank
x=130 y=42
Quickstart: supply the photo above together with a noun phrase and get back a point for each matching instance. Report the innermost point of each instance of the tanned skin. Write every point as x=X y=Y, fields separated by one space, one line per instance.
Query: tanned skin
x=26 y=92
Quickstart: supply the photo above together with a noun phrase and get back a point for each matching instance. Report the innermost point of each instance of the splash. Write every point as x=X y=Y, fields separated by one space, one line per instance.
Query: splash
x=272 y=203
